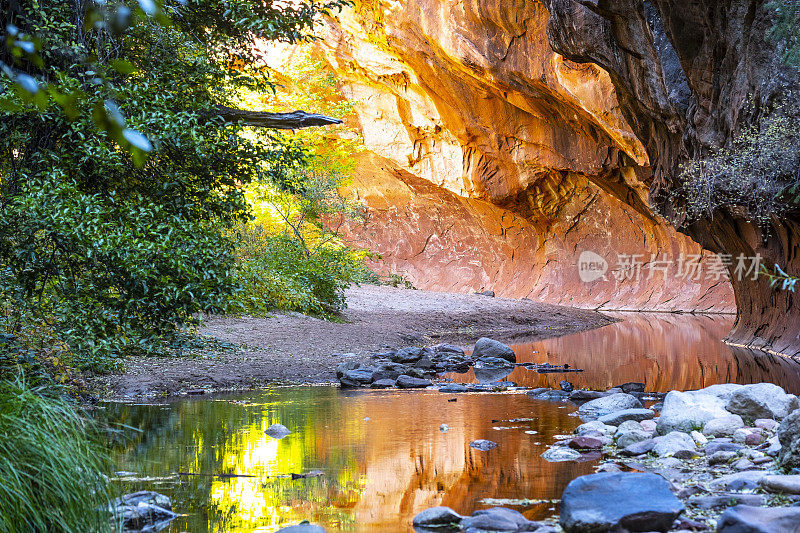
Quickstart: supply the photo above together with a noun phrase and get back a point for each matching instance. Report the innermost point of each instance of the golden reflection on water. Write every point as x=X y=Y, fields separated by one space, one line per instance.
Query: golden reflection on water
x=664 y=351
x=383 y=455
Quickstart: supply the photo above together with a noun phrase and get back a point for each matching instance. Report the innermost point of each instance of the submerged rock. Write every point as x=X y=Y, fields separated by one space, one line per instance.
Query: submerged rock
x=303 y=527
x=483 y=445
x=437 y=517
x=559 y=454
x=486 y=347
x=277 y=431
x=143 y=510
x=497 y=519
x=618 y=500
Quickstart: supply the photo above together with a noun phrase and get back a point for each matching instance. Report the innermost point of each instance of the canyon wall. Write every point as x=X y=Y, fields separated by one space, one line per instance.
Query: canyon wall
x=688 y=77
x=494 y=162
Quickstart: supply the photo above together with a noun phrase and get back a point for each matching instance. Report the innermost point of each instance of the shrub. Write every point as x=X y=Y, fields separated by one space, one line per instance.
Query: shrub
x=50 y=465
x=278 y=272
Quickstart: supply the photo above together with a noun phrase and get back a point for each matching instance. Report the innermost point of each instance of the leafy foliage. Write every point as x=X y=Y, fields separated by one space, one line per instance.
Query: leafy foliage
x=760 y=170
x=291 y=257
x=119 y=184
x=786 y=31
x=50 y=465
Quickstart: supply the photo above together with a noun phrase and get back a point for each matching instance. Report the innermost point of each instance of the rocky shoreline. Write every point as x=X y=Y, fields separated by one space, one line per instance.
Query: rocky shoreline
x=724 y=458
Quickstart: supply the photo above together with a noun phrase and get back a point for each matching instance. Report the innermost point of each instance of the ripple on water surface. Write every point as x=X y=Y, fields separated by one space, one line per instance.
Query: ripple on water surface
x=383 y=454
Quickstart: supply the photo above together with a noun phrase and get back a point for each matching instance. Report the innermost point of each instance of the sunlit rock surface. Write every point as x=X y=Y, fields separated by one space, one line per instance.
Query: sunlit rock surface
x=496 y=162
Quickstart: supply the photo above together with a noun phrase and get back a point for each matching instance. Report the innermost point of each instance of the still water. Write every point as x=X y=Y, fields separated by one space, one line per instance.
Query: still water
x=382 y=454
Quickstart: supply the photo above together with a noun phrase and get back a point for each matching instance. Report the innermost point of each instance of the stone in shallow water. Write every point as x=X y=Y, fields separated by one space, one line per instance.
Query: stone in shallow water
x=302 y=527
x=492 y=348
x=560 y=454
x=383 y=384
x=437 y=517
x=607 y=501
x=277 y=431
x=618 y=417
x=595 y=426
x=585 y=395
x=356 y=378
x=483 y=445
x=496 y=519
x=408 y=382
x=594 y=409
x=747 y=519
x=452 y=388
x=582 y=442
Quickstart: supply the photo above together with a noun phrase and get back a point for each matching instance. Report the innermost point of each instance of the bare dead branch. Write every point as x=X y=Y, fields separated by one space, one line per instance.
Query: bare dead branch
x=278 y=121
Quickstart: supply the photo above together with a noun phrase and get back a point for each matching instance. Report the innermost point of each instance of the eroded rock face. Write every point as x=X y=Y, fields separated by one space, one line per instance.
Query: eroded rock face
x=498 y=162
x=683 y=74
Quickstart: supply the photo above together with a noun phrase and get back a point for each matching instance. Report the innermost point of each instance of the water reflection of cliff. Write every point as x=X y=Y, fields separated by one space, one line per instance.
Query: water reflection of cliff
x=383 y=454
x=379 y=472
x=664 y=351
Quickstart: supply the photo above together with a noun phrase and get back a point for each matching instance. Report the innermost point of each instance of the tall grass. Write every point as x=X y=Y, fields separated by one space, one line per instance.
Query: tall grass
x=50 y=465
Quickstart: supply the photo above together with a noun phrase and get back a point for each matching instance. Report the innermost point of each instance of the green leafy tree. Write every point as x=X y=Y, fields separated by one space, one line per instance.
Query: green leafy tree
x=122 y=165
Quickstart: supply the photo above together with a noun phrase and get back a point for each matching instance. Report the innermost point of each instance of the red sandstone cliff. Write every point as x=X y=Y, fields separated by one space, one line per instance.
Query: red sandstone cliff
x=498 y=161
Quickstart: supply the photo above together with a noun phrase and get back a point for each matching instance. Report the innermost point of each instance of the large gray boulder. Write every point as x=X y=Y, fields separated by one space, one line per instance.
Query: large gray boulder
x=762 y=400
x=747 y=519
x=486 y=347
x=618 y=500
x=688 y=411
x=437 y=517
x=782 y=484
x=789 y=437
x=412 y=354
x=360 y=377
x=594 y=409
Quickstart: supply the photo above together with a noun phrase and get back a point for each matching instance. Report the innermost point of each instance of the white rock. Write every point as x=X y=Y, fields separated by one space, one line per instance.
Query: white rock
x=699 y=438
x=673 y=442
x=559 y=454
x=595 y=425
x=723 y=426
x=687 y=411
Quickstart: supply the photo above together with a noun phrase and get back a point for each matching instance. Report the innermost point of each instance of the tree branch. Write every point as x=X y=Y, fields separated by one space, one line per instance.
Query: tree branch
x=278 y=121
